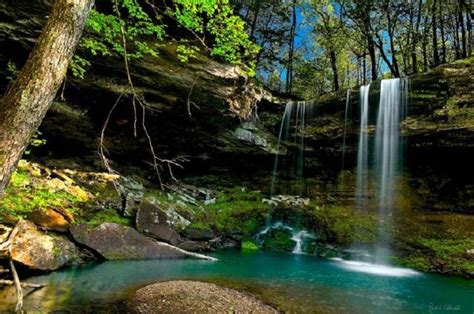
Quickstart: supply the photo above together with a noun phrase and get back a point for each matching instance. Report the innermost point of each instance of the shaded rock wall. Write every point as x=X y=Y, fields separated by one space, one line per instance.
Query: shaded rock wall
x=189 y=116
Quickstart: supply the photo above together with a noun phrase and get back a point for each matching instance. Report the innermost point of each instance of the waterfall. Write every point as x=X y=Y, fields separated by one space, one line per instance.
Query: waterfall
x=299 y=237
x=292 y=128
x=388 y=154
x=362 y=151
x=284 y=130
x=296 y=126
x=299 y=128
x=346 y=112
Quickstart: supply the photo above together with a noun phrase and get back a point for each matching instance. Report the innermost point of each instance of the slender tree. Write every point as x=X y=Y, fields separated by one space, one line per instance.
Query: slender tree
x=435 y=33
x=289 y=69
x=25 y=103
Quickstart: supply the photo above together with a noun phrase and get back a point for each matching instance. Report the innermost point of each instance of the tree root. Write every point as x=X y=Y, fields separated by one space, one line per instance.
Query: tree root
x=25 y=285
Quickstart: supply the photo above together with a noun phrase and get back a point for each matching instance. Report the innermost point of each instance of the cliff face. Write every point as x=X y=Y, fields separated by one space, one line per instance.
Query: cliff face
x=193 y=109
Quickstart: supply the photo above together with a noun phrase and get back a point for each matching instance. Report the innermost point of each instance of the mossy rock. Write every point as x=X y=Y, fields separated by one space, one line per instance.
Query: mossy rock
x=278 y=239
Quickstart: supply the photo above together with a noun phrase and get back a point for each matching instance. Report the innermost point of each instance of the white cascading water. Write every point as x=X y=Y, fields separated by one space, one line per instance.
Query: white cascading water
x=284 y=130
x=296 y=163
x=346 y=113
x=299 y=237
x=362 y=151
x=388 y=155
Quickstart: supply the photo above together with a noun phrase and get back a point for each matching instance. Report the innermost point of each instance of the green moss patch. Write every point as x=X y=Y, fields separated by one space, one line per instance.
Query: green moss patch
x=235 y=210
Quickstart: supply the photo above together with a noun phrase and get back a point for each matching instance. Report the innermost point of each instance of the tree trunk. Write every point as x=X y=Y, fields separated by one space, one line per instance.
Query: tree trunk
x=25 y=103
x=435 y=33
x=289 y=71
x=385 y=58
x=443 y=38
x=425 y=43
x=469 y=32
x=254 y=20
x=415 y=39
x=335 y=76
x=463 y=30
x=456 y=41
x=373 y=60
x=396 y=70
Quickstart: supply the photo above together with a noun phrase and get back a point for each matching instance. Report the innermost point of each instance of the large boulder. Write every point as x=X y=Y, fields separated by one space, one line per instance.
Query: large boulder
x=118 y=242
x=194 y=297
x=198 y=234
x=153 y=222
x=51 y=219
x=196 y=246
x=40 y=251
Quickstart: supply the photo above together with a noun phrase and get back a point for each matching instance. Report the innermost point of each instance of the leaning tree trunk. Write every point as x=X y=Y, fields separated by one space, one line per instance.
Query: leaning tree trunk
x=25 y=103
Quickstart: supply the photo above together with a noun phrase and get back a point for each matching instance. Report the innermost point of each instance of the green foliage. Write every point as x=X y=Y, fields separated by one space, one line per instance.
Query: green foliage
x=130 y=26
x=186 y=52
x=130 y=23
x=216 y=17
x=78 y=66
x=12 y=71
x=36 y=141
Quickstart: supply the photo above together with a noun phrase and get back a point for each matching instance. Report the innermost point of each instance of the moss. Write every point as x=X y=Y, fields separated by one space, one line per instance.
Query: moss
x=342 y=225
x=278 y=240
x=235 y=210
x=105 y=215
x=424 y=252
x=56 y=252
x=26 y=193
x=464 y=62
x=249 y=246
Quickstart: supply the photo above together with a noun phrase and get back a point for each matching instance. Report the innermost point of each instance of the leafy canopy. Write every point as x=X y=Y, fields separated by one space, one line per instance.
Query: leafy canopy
x=126 y=27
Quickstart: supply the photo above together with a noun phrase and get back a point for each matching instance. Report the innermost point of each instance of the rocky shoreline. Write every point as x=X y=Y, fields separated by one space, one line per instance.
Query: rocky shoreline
x=196 y=297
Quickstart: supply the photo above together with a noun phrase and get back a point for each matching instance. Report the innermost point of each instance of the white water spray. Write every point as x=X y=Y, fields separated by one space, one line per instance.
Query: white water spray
x=362 y=151
x=346 y=113
x=388 y=155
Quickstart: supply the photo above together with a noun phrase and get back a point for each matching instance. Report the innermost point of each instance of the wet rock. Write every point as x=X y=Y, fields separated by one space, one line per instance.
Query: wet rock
x=287 y=201
x=51 y=219
x=132 y=193
x=196 y=246
x=40 y=251
x=439 y=263
x=194 y=297
x=153 y=222
x=199 y=234
x=221 y=243
x=118 y=242
x=249 y=132
x=4 y=233
x=278 y=239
